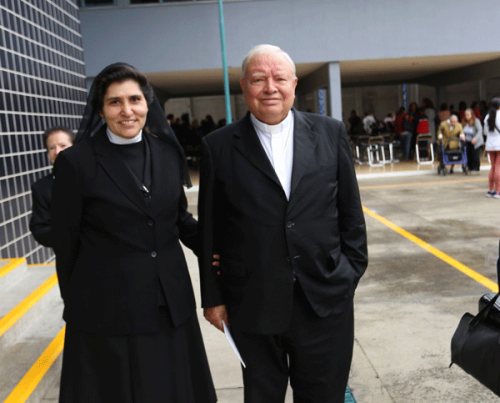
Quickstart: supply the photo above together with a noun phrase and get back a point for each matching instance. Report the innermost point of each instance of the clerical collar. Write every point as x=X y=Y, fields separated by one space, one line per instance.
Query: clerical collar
x=272 y=129
x=120 y=140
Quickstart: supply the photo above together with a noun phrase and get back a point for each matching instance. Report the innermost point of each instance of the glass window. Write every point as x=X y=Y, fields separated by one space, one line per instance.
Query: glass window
x=90 y=3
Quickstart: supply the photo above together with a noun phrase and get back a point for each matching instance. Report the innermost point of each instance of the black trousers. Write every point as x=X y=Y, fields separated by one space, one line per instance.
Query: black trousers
x=473 y=157
x=315 y=353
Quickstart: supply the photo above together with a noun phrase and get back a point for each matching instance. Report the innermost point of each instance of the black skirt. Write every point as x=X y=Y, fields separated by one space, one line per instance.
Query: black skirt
x=169 y=366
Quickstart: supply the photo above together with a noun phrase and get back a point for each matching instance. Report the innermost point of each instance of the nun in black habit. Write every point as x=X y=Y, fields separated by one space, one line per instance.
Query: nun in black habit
x=118 y=214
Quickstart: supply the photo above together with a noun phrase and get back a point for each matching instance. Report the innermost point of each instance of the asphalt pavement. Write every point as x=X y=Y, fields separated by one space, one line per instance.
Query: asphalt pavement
x=421 y=229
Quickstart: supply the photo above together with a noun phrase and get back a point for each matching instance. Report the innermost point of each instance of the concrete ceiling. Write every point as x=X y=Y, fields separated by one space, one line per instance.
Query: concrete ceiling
x=357 y=72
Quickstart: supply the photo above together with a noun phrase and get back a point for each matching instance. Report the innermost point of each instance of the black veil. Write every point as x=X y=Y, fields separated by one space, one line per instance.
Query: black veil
x=156 y=124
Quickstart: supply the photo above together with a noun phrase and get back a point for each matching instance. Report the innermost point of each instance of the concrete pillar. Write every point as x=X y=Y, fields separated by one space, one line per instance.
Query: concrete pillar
x=334 y=91
x=122 y=2
x=412 y=94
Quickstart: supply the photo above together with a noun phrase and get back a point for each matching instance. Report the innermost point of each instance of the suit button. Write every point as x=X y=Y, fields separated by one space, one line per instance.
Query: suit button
x=290 y=224
x=288 y=259
x=150 y=223
x=153 y=254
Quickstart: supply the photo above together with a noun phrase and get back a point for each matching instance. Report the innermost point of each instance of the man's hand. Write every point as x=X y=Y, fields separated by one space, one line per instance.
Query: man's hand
x=216 y=262
x=216 y=315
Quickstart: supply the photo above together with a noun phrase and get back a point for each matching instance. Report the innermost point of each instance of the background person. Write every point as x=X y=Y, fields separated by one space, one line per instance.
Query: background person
x=55 y=139
x=492 y=132
x=429 y=111
x=449 y=130
x=444 y=113
x=403 y=130
x=473 y=139
x=280 y=201
x=118 y=213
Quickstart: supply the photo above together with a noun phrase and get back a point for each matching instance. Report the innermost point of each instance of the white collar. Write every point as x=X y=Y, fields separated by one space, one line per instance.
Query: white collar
x=272 y=129
x=115 y=139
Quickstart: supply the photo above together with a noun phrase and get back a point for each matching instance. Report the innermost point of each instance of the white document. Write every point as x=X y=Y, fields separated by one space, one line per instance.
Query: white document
x=231 y=342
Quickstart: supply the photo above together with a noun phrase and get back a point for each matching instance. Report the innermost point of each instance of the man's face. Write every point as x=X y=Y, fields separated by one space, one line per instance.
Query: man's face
x=453 y=121
x=56 y=142
x=269 y=87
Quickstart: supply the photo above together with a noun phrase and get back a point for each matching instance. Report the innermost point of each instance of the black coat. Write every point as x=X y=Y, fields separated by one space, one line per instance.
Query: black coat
x=41 y=192
x=265 y=241
x=112 y=248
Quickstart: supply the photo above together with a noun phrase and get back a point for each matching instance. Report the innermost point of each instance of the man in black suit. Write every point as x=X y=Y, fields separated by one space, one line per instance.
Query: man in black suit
x=55 y=139
x=280 y=202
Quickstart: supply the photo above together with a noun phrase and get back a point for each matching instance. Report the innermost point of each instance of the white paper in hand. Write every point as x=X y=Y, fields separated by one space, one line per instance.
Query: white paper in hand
x=231 y=342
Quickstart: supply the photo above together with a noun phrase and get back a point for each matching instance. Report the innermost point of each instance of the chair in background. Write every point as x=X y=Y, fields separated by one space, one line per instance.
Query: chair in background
x=424 y=149
x=375 y=151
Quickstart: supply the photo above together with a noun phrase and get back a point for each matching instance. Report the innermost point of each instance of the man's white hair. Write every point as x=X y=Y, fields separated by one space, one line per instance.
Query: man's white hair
x=265 y=48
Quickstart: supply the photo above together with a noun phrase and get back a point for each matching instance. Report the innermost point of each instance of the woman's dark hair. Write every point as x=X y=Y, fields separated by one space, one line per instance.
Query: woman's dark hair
x=119 y=72
x=412 y=105
x=495 y=104
x=444 y=106
x=427 y=103
x=46 y=134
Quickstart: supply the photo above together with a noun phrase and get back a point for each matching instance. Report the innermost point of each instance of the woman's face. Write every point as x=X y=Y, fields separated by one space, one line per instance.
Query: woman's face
x=124 y=108
x=468 y=116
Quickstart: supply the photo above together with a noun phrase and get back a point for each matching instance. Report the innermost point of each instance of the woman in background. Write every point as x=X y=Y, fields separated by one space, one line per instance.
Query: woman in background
x=444 y=112
x=473 y=139
x=492 y=132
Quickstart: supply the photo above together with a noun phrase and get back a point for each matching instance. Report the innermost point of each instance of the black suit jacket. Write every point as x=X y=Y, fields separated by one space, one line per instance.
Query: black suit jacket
x=112 y=248
x=41 y=192
x=265 y=241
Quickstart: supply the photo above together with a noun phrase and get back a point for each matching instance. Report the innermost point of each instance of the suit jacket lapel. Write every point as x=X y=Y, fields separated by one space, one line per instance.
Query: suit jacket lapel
x=248 y=144
x=304 y=143
x=116 y=169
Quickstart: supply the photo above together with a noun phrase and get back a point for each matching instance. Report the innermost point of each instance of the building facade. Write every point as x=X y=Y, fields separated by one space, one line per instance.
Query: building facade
x=42 y=84
x=372 y=56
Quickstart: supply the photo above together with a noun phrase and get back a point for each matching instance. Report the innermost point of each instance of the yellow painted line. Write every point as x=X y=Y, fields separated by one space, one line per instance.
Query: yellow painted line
x=436 y=252
x=27 y=385
x=423 y=183
x=4 y=270
x=15 y=314
x=42 y=264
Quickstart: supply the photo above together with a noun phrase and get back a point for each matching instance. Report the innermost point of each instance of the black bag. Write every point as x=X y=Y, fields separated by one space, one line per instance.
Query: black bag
x=493 y=318
x=475 y=347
